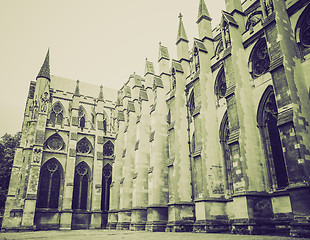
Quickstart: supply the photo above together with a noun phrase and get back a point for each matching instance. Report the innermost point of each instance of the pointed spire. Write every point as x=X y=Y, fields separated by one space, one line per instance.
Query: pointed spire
x=203 y=12
x=77 y=89
x=100 y=98
x=149 y=68
x=45 y=69
x=163 y=52
x=181 y=31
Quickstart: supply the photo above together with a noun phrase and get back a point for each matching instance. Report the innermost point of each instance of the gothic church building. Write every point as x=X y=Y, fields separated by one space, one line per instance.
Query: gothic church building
x=216 y=140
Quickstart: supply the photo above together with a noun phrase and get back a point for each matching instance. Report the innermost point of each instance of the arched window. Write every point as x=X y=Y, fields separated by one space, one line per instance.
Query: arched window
x=56 y=116
x=49 y=184
x=82 y=117
x=84 y=146
x=220 y=84
x=80 y=188
x=267 y=122
x=106 y=182
x=108 y=149
x=55 y=143
x=224 y=136
x=192 y=102
x=259 y=59
x=302 y=31
x=104 y=122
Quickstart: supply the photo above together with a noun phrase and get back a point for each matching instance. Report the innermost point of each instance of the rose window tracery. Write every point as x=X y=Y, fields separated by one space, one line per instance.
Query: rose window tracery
x=55 y=143
x=83 y=146
x=108 y=149
x=260 y=59
x=305 y=31
x=81 y=170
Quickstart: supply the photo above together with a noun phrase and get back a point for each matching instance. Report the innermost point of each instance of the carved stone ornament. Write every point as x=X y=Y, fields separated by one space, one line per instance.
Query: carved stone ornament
x=37 y=155
x=268 y=7
x=44 y=101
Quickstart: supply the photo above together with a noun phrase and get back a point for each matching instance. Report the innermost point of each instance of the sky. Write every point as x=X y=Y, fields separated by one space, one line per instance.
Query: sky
x=100 y=42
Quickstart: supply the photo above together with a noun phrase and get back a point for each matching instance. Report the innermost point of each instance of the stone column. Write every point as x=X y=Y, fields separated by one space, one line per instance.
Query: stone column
x=142 y=158
x=117 y=168
x=180 y=204
x=66 y=211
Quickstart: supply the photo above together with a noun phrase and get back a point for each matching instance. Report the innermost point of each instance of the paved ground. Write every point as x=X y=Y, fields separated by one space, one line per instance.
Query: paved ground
x=116 y=235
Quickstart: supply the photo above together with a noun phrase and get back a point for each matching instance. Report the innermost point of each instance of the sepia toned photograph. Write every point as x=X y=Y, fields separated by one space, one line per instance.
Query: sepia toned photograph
x=144 y=119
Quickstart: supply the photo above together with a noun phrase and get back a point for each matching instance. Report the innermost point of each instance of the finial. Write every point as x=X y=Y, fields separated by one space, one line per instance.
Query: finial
x=180 y=16
x=146 y=59
x=159 y=43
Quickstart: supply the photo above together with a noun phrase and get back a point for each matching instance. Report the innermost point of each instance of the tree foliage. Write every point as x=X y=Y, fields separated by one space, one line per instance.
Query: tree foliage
x=8 y=145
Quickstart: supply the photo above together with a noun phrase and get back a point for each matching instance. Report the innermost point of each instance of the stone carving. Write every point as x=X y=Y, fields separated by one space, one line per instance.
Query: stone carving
x=44 y=101
x=260 y=59
x=268 y=4
x=37 y=155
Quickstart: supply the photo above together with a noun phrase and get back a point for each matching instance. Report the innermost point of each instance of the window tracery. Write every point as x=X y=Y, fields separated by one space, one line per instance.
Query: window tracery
x=106 y=183
x=80 y=188
x=56 y=116
x=220 y=84
x=260 y=58
x=49 y=185
x=82 y=117
x=55 y=143
x=108 y=149
x=191 y=102
x=83 y=146
x=304 y=34
x=267 y=122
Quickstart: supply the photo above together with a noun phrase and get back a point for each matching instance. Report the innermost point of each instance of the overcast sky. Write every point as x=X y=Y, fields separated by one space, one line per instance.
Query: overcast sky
x=96 y=41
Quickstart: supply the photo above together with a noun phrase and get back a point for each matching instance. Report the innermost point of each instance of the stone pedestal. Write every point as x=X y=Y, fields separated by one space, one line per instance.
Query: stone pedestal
x=299 y=196
x=65 y=220
x=138 y=219
x=96 y=220
x=157 y=218
x=124 y=217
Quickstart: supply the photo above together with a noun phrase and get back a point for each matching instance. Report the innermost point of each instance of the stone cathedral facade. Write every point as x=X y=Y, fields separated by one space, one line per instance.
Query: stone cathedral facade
x=216 y=140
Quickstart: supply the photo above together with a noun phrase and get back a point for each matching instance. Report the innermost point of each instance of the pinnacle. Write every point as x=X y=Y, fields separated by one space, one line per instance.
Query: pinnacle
x=100 y=97
x=181 y=30
x=45 y=69
x=77 y=89
x=203 y=11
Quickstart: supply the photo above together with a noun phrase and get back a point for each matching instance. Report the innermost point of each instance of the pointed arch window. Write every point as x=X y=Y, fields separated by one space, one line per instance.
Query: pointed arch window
x=267 y=122
x=220 y=84
x=104 y=122
x=106 y=183
x=80 y=188
x=192 y=102
x=108 y=149
x=84 y=146
x=55 y=143
x=259 y=58
x=224 y=136
x=82 y=117
x=302 y=31
x=56 y=116
x=49 y=184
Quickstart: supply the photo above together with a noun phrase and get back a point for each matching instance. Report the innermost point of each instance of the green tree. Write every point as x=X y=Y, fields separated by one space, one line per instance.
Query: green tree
x=8 y=144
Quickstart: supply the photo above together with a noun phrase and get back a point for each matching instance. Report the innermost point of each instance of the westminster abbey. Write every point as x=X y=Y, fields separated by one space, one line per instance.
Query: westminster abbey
x=215 y=140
